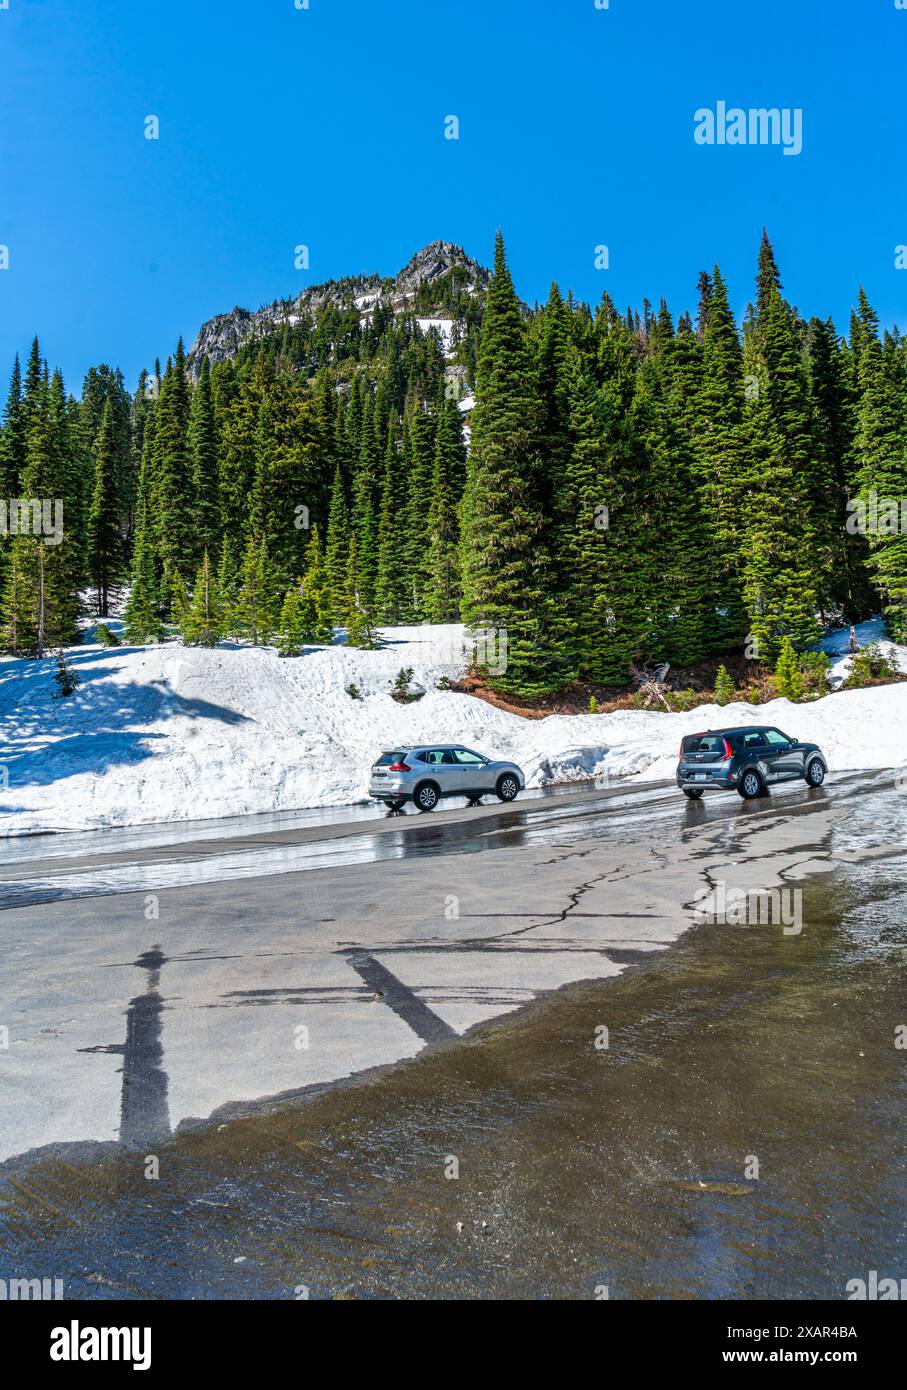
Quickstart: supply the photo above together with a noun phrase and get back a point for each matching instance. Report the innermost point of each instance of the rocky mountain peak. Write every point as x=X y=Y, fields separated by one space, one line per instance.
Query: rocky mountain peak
x=435 y=261
x=222 y=336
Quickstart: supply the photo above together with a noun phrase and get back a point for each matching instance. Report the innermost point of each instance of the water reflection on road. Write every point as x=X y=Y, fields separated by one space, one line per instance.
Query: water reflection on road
x=91 y=864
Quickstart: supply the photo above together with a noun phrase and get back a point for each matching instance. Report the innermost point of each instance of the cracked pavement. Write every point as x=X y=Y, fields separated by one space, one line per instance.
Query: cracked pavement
x=133 y=1015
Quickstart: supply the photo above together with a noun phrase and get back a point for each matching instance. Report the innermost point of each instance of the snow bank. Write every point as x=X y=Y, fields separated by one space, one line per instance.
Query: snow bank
x=172 y=733
x=837 y=644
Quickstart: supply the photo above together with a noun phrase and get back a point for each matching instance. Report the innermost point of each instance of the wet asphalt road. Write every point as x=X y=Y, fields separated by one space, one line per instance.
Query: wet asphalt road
x=468 y=1045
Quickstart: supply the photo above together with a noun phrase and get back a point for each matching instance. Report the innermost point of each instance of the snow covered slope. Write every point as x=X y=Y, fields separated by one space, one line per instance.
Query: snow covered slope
x=173 y=733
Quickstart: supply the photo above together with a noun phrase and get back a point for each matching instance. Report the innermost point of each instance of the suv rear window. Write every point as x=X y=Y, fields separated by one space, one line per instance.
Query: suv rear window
x=387 y=759
x=704 y=743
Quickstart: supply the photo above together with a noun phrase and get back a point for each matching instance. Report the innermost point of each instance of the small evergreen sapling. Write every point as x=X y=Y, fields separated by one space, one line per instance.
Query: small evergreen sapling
x=788 y=676
x=292 y=624
x=105 y=636
x=724 y=687
x=203 y=618
x=66 y=677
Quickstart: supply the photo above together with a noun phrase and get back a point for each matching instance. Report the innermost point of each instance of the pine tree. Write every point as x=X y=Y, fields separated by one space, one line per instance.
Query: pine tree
x=14 y=612
x=104 y=386
x=203 y=621
x=142 y=617
x=337 y=552
x=203 y=444
x=317 y=604
x=588 y=558
x=720 y=457
x=175 y=505
x=105 y=544
x=441 y=599
x=48 y=569
x=390 y=579
x=831 y=384
x=13 y=436
x=508 y=539
x=366 y=503
x=66 y=677
x=291 y=626
x=883 y=471
x=360 y=630
x=768 y=278
x=788 y=676
x=724 y=687
x=416 y=542
x=255 y=612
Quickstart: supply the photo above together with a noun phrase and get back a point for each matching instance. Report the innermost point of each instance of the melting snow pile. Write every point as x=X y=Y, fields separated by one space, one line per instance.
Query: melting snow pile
x=173 y=733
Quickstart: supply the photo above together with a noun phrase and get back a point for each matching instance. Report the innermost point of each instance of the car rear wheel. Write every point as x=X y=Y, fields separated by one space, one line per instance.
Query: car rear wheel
x=694 y=793
x=427 y=796
x=751 y=786
x=815 y=773
x=507 y=787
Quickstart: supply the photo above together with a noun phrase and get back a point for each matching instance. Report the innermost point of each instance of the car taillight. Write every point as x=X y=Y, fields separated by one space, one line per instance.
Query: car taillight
x=728 y=750
x=399 y=767
x=680 y=754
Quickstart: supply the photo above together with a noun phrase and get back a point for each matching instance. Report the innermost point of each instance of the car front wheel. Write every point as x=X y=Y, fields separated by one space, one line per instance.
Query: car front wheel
x=427 y=796
x=507 y=787
x=751 y=786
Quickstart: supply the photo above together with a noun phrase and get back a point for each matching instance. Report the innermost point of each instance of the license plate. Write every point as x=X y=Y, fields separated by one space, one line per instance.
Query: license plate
x=700 y=776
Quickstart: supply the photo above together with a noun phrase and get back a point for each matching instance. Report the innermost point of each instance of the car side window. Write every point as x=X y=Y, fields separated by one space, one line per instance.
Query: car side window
x=776 y=738
x=753 y=741
x=434 y=756
x=462 y=755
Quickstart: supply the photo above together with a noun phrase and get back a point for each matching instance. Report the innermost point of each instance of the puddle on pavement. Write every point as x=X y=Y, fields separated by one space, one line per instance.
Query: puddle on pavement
x=578 y=1168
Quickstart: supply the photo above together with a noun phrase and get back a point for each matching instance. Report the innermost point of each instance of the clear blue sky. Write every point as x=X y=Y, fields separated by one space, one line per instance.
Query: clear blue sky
x=324 y=126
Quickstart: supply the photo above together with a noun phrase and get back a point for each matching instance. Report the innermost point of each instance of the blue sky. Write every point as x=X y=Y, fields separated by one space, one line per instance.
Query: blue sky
x=325 y=126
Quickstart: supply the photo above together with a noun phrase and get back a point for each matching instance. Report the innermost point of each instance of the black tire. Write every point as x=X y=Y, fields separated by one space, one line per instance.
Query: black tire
x=815 y=773
x=694 y=793
x=426 y=796
x=751 y=785
x=507 y=788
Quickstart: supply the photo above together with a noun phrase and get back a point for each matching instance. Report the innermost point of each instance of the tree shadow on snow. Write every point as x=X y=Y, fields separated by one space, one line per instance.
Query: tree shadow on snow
x=44 y=740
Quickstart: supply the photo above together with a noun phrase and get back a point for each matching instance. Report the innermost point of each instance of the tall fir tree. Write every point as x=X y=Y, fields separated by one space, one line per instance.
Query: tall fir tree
x=390 y=578
x=883 y=471
x=337 y=551
x=105 y=542
x=508 y=538
x=203 y=620
x=441 y=599
x=203 y=444
x=174 y=501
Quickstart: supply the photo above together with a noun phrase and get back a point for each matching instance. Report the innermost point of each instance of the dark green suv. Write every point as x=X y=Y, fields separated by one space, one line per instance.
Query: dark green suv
x=747 y=760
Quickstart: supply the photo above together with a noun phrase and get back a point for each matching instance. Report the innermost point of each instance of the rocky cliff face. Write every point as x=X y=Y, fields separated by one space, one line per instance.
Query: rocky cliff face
x=221 y=337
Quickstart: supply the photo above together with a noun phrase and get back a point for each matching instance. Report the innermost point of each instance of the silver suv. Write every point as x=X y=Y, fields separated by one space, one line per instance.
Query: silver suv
x=424 y=775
